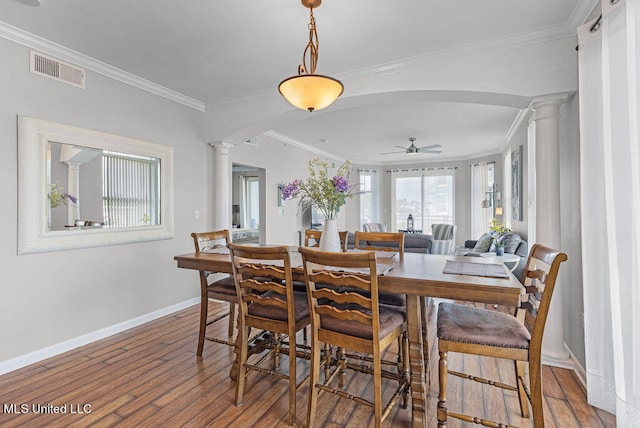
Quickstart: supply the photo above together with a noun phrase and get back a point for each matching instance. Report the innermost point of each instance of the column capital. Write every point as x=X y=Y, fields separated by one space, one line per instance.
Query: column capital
x=549 y=100
x=217 y=145
x=73 y=164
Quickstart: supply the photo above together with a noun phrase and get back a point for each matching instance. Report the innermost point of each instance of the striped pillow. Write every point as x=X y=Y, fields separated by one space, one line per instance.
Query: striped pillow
x=442 y=231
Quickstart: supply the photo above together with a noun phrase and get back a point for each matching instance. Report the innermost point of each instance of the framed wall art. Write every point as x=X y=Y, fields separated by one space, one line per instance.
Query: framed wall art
x=516 y=183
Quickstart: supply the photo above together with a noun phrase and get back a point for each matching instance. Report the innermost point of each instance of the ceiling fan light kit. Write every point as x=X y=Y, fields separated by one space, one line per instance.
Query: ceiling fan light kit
x=308 y=90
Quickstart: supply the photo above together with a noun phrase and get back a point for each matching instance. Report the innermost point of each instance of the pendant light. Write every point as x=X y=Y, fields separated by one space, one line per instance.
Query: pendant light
x=308 y=90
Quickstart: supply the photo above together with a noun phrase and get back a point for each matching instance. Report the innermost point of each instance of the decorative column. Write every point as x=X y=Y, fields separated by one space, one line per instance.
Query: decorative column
x=222 y=185
x=73 y=188
x=547 y=221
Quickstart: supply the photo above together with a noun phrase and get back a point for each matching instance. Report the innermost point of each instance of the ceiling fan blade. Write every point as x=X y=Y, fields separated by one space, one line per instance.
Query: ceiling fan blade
x=391 y=153
x=425 y=150
x=432 y=146
x=400 y=147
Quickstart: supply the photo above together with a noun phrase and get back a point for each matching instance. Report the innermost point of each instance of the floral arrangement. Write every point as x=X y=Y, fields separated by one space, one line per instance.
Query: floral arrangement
x=57 y=196
x=319 y=190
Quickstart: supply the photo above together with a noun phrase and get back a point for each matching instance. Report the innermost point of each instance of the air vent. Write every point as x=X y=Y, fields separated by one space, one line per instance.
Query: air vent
x=55 y=69
x=252 y=141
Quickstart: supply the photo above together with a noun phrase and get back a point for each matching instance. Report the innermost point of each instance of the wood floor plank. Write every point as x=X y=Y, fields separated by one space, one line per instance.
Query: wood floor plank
x=150 y=376
x=583 y=412
x=494 y=398
x=551 y=387
x=563 y=414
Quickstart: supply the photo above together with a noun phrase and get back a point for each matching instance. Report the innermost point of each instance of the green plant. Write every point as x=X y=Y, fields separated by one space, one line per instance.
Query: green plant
x=498 y=227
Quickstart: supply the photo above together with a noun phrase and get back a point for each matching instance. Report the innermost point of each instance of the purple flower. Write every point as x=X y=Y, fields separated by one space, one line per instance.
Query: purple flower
x=341 y=184
x=291 y=190
x=72 y=198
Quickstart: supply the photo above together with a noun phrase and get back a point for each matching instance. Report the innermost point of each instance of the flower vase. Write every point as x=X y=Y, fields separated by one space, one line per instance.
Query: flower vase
x=330 y=240
x=499 y=251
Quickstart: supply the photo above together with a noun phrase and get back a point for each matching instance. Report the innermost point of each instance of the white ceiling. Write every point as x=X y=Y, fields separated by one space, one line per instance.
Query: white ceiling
x=221 y=51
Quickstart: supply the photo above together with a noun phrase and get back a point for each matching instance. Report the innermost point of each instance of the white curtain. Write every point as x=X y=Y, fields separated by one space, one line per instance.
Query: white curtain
x=610 y=198
x=480 y=217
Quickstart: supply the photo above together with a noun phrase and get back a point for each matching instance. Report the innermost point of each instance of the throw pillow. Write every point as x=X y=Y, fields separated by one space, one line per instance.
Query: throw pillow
x=510 y=241
x=484 y=243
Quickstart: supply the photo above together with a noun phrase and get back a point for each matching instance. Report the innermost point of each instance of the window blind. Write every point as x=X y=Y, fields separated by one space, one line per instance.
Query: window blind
x=131 y=190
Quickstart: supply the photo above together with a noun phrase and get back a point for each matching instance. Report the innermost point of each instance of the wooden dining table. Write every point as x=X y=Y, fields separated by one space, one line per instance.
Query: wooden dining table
x=417 y=276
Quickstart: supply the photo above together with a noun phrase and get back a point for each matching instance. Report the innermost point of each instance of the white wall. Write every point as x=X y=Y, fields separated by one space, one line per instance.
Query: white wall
x=570 y=282
x=283 y=164
x=50 y=298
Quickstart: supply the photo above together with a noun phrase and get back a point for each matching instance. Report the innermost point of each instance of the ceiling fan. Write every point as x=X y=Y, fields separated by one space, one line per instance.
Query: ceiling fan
x=414 y=150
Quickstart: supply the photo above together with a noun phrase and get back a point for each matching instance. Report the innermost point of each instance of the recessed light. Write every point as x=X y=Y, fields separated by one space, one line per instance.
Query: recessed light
x=324 y=140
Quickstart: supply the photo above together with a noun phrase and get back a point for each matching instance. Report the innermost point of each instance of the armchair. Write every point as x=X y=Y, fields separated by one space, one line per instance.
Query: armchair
x=443 y=238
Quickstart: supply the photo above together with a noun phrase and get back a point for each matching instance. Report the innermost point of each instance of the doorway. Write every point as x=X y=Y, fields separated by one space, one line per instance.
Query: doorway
x=247 y=202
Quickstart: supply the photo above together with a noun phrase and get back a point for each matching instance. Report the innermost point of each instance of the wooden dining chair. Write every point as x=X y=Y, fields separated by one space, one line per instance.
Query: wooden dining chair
x=312 y=237
x=472 y=330
x=388 y=242
x=344 y=237
x=394 y=242
x=222 y=289
x=380 y=241
x=352 y=322
x=315 y=236
x=268 y=302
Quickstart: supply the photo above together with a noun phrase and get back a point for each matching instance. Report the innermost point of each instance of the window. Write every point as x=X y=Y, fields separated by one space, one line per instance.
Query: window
x=130 y=189
x=369 y=196
x=427 y=194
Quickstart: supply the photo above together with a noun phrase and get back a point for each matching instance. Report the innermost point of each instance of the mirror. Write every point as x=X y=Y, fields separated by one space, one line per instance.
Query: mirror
x=89 y=187
x=82 y=188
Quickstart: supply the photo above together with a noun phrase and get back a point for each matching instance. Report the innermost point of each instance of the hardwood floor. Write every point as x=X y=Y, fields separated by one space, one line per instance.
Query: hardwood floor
x=150 y=376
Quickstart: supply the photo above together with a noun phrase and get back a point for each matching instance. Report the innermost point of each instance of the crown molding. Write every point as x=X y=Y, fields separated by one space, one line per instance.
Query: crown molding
x=521 y=117
x=582 y=12
x=554 y=32
x=43 y=45
x=292 y=141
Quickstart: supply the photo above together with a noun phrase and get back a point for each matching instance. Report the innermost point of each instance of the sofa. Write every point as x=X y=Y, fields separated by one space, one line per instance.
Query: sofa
x=512 y=241
x=413 y=242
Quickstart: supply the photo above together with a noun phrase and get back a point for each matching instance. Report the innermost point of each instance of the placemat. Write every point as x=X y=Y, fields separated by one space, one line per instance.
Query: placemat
x=493 y=270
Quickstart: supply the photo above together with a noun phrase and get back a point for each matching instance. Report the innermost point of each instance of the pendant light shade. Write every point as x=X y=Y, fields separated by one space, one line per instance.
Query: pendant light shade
x=311 y=91
x=307 y=90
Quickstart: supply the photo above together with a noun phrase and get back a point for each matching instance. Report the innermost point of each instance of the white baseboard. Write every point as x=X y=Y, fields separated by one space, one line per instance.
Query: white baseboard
x=67 y=345
x=569 y=363
x=577 y=367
